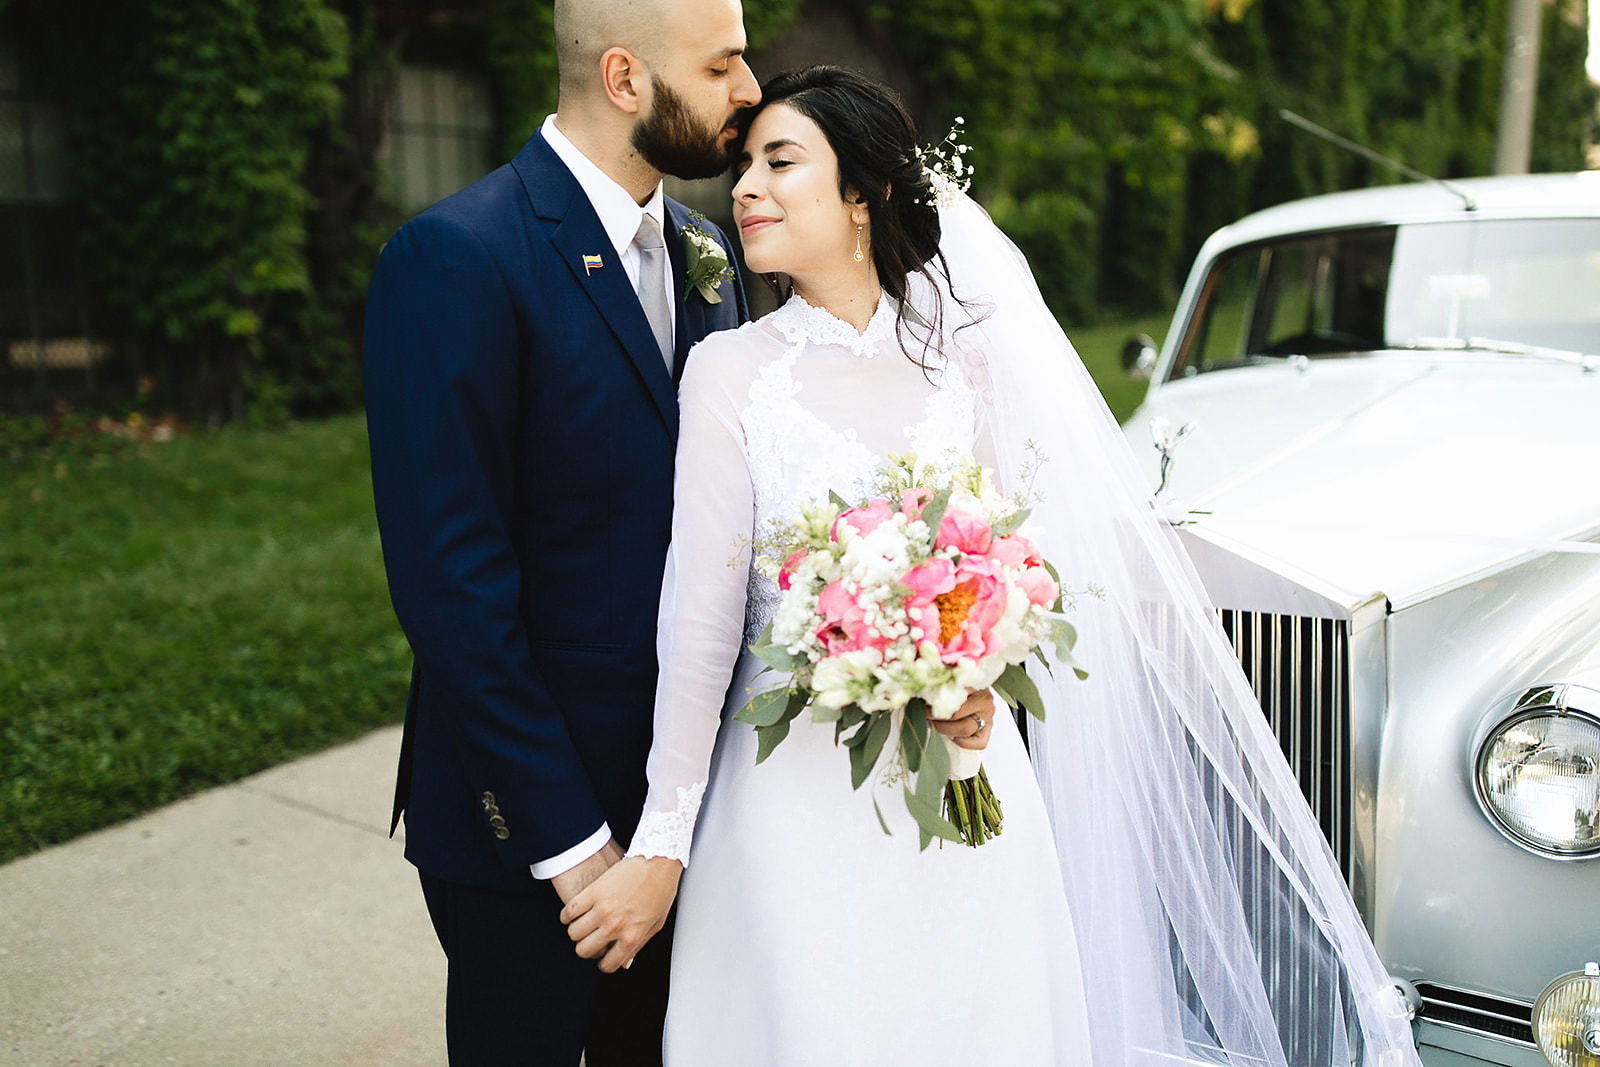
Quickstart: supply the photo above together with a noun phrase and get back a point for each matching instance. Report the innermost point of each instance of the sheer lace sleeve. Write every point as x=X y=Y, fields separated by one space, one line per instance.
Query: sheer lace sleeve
x=700 y=630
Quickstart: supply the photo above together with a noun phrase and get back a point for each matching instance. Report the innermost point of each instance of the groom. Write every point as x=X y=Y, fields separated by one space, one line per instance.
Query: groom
x=522 y=341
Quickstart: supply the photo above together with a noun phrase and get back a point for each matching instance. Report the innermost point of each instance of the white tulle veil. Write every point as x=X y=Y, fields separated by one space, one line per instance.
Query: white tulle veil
x=1197 y=875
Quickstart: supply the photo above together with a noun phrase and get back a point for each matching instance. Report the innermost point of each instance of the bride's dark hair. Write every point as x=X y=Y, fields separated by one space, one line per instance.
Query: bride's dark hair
x=875 y=141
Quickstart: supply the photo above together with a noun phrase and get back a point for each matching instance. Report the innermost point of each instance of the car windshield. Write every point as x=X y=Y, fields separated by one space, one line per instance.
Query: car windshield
x=1525 y=286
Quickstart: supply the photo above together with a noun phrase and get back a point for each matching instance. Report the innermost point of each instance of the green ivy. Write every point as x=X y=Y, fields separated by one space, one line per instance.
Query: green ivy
x=189 y=125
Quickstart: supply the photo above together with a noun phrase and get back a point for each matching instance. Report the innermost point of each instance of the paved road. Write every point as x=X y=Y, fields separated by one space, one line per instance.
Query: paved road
x=267 y=922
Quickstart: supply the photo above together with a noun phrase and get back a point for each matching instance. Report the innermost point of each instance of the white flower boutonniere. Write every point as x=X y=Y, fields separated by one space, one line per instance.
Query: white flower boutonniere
x=706 y=261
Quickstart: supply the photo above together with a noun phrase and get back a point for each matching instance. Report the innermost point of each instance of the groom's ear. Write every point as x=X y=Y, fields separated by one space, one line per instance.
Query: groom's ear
x=621 y=76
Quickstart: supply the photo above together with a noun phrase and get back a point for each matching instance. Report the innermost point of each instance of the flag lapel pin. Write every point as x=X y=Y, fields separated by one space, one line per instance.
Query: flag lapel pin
x=591 y=264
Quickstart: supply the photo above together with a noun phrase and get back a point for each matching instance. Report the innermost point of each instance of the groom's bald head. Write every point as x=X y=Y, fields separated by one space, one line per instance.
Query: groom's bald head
x=586 y=29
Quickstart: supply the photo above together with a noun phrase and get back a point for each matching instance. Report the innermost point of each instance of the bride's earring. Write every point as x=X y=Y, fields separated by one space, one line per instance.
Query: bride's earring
x=859 y=256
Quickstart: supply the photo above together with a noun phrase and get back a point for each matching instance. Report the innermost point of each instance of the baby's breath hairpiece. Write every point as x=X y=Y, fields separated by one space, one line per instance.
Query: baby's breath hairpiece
x=947 y=172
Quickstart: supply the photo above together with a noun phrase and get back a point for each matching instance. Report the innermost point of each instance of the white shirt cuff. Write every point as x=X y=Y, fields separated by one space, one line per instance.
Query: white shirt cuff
x=545 y=870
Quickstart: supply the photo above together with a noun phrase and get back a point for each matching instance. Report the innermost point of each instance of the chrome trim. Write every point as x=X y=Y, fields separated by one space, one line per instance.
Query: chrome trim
x=1538 y=700
x=1297 y=667
x=1501 y=1019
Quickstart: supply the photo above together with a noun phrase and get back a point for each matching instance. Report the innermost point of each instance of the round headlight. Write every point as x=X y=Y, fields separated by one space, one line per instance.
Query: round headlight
x=1538 y=778
x=1566 y=1020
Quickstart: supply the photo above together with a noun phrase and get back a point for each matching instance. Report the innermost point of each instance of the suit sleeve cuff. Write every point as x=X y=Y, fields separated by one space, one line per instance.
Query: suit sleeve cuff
x=545 y=870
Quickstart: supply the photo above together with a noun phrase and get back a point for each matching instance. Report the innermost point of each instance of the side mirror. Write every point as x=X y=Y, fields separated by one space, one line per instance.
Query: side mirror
x=1139 y=355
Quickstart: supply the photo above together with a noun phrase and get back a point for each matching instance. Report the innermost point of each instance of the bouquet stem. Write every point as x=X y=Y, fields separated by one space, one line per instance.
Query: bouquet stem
x=970 y=804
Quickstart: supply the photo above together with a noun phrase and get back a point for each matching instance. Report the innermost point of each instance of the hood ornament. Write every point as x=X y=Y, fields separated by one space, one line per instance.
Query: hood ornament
x=1166 y=442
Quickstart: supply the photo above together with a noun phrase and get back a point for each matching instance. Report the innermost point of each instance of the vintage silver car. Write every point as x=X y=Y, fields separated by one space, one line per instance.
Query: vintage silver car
x=1377 y=416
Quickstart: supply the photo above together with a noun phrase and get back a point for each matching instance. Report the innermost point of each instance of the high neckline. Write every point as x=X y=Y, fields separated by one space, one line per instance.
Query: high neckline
x=797 y=320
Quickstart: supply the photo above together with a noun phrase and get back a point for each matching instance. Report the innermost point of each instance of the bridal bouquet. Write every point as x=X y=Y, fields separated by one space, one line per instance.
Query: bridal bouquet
x=893 y=610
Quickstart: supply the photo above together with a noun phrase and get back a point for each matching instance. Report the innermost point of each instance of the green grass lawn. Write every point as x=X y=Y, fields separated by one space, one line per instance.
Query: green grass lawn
x=177 y=615
x=174 y=616
x=1100 y=348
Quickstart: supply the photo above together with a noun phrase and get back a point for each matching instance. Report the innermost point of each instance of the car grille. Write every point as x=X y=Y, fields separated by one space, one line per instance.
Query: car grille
x=1300 y=671
x=1477 y=1013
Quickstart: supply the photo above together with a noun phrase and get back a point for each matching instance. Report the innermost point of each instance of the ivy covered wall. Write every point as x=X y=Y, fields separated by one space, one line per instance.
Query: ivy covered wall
x=225 y=152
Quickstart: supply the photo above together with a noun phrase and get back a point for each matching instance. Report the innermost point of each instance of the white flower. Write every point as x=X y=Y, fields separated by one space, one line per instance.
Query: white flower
x=706 y=244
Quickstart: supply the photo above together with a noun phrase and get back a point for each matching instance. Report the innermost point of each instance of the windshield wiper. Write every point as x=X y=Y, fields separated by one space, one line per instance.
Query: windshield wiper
x=1585 y=360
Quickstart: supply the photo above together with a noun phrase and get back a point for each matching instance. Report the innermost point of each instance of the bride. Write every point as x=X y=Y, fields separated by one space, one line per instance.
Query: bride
x=1176 y=905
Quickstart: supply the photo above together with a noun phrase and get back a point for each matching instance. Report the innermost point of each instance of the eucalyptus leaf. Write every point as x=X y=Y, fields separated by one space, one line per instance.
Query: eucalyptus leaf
x=910 y=749
x=765 y=708
x=1020 y=688
x=852 y=742
x=879 y=813
x=860 y=765
x=928 y=818
x=823 y=713
x=777 y=656
x=935 y=771
x=769 y=737
x=933 y=514
x=1011 y=524
x=1055 y=576
x=877 y=736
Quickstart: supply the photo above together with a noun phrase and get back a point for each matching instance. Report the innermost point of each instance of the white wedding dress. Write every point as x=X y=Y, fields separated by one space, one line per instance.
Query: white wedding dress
x=805 y=936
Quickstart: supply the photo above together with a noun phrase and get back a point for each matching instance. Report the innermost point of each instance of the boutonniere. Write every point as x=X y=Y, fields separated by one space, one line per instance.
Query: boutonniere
x=706 y=261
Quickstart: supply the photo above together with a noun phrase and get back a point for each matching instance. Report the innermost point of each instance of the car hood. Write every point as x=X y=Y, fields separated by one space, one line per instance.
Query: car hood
x=1401 y=474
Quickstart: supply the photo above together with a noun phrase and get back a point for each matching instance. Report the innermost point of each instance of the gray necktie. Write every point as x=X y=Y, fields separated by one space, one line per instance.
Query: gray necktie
x=653 y=284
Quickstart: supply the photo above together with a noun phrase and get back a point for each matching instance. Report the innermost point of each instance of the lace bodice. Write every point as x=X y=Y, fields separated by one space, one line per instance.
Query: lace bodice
x=773 y=416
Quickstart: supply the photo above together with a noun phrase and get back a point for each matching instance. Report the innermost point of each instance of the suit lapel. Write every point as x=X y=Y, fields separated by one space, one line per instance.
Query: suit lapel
x=556 y=197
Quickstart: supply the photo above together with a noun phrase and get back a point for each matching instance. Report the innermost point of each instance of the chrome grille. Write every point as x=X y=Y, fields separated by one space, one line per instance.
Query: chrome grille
x=1477 y=1013
x=1300 y=671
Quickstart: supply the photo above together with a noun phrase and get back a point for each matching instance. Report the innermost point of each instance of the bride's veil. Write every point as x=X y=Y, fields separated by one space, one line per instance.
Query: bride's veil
x=1212 y=920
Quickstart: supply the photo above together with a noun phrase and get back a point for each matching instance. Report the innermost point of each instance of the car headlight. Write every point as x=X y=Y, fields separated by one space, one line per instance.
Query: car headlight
x=1538 y=773
x=1566 y=1019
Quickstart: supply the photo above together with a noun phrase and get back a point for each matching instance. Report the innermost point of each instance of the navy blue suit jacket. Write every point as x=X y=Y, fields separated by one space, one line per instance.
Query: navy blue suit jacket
x=522 y=423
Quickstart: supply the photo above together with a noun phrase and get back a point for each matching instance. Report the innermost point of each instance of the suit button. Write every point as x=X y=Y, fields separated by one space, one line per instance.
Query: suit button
x=488 y=800
x=501 y=832
x=497 y=819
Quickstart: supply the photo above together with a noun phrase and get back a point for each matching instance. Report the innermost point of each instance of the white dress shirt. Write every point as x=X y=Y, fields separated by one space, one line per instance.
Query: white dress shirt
x=620 y=216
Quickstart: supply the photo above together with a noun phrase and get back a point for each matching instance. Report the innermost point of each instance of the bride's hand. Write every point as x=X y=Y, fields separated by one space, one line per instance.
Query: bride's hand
x=622 y=909
x=972 y=724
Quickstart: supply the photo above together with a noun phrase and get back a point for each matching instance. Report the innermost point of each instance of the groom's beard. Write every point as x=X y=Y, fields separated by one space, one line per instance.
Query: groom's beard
x=673 y=140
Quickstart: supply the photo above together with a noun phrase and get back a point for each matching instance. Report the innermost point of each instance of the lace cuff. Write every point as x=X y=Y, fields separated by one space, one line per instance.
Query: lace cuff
x=669 y=833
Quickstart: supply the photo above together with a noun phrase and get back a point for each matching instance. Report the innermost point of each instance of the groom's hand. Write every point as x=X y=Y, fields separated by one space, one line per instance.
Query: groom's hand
x=972 y=724
x=613 y=918
x=569 y=884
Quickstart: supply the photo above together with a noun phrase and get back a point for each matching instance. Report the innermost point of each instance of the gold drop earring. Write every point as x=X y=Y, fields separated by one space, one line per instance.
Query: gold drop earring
x=859 y=256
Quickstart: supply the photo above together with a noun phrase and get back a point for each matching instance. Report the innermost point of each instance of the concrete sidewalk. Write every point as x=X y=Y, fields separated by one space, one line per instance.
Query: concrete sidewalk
x=267 y=922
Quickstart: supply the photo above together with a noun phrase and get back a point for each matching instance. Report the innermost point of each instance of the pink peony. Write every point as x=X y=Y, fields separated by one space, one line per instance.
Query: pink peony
x=863 y=519
x=957 y=606
x=1040 y=588
x=927 y=583
x=844 y=627
x=786 y=572
x=1014 y=550
x=912 y=501
x=962 y=530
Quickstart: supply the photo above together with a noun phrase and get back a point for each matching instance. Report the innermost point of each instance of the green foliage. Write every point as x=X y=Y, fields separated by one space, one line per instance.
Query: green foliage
x=1567 y=114
x=189 y=126
x=1111 y=136
x=519 y=48
x=179 y=615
